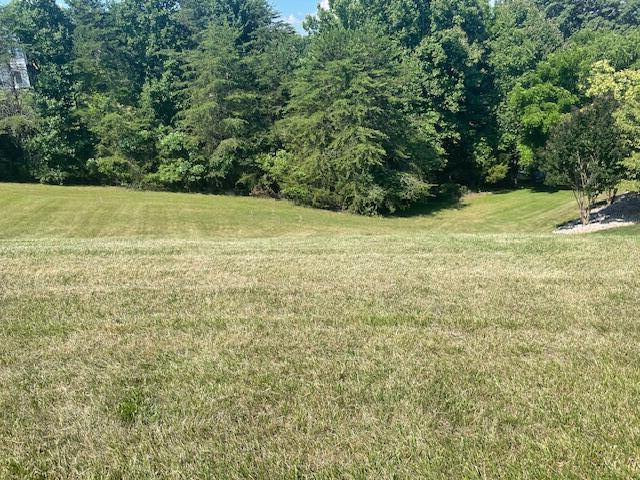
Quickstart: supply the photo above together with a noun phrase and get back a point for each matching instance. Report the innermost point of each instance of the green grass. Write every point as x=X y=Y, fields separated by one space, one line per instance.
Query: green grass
x=623 y=232
x=36 y=211
x=152 y=335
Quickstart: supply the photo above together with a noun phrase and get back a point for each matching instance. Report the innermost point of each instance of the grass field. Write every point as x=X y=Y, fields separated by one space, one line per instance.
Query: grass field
x=155 y=335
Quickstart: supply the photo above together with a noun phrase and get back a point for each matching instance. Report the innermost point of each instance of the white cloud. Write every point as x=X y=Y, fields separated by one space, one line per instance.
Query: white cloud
x=294 y=20
x=324 y=4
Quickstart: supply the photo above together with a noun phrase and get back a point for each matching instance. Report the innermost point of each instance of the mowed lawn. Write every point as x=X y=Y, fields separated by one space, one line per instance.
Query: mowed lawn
x=156 y=335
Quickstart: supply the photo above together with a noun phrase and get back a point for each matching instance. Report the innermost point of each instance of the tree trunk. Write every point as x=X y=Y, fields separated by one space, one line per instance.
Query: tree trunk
x=611 y=196
x=585 y=214
x=584 y=205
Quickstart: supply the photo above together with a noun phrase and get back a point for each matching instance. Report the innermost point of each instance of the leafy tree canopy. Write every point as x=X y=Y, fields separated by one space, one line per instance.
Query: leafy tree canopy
x=543 y=96
x=624 y=87
x=585 y=152
x=575 y=15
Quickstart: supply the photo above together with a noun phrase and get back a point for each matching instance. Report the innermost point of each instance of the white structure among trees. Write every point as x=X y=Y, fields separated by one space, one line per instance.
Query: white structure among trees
x=13 y=71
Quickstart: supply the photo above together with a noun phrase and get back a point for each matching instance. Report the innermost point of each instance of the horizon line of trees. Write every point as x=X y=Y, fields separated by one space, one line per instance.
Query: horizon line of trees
x=384 y=104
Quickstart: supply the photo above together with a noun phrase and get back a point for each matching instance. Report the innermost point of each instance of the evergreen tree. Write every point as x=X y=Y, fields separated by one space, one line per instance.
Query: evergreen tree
x=148 y=34
x=353 y=139
x=222 y=106
x=99 y=65
x=447 y=39
x=236 y=91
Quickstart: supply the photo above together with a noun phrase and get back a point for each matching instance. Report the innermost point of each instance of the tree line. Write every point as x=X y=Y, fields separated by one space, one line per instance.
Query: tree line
x=381 y=106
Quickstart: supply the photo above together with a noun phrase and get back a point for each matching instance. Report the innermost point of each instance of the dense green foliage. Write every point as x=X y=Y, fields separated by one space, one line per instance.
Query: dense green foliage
x=575 y=15
x=356 y=138
x=624 y=87
x=378 y=108
x=585 y=151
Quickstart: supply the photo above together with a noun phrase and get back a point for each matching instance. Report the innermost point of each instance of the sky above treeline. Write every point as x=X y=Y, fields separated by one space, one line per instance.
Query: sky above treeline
x=293 y=11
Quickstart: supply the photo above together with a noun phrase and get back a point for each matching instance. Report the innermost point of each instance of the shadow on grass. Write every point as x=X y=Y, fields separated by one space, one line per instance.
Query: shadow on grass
x=535 y=188
x=623 y=212
x=431 y=207
x=452 y=202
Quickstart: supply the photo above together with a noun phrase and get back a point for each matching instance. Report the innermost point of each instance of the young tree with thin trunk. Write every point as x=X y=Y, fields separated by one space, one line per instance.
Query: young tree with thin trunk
x=585 y=152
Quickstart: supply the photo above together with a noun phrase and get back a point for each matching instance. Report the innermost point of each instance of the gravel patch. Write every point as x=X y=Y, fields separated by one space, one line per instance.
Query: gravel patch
x=624 y=212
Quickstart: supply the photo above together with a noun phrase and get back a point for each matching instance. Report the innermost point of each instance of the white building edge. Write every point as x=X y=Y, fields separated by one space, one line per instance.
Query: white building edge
x=14 y=73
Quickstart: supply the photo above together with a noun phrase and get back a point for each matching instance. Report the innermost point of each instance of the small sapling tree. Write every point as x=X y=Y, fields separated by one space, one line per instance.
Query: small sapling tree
x=586 y=152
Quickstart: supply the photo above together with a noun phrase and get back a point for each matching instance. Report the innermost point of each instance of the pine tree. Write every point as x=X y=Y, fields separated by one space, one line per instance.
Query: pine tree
x=222 y=106
x=236 y=90
x=353 y=140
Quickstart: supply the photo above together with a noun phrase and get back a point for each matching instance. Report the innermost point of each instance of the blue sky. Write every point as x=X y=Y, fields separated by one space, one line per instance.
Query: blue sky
x=294 y=11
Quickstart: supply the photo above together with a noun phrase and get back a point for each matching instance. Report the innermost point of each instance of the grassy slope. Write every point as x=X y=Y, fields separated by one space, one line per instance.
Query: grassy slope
x=148 y=335
x=38 y=211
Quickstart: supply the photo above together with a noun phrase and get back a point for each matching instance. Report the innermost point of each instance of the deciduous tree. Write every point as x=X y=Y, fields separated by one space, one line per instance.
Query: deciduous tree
x=585 y=152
